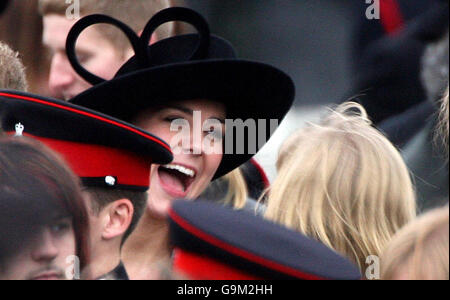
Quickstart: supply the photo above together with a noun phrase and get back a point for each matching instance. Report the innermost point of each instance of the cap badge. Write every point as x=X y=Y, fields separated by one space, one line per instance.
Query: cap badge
x=110 y=180
x=19 y=129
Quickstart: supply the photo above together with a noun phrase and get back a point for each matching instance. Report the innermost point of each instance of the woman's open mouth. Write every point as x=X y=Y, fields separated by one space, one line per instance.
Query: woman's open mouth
x=176 y=179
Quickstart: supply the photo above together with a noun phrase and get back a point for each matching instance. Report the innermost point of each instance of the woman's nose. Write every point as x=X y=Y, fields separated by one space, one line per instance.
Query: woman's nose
x=188 y=141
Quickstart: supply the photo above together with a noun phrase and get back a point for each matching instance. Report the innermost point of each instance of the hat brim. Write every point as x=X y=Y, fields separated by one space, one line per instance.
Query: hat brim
x=249 y=90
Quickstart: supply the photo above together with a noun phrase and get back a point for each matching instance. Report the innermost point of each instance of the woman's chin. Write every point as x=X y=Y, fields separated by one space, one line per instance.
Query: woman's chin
x=159 y=206
x=162 y=196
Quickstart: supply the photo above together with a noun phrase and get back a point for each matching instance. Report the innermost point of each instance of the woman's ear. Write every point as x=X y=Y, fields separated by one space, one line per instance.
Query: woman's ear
x=119 y=215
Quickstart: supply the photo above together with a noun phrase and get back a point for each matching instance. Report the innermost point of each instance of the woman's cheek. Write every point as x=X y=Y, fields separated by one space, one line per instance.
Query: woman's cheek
x=215 y=160
x=200 y=187
x=212 y=164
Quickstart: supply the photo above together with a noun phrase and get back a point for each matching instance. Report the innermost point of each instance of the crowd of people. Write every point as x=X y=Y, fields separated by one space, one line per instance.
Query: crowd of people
x=145 y=173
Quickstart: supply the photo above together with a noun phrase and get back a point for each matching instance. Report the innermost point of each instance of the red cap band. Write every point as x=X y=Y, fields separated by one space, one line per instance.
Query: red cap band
x=391 y=16
x=95 y=161
x=236 y=251
x=204 y=268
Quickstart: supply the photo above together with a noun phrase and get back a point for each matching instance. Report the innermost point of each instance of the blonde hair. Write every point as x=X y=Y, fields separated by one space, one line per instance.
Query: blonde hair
x=12 y=71
x=287 y=148
x=420 y=250
x=343 y=184
x=134 y=13
x=237 y=189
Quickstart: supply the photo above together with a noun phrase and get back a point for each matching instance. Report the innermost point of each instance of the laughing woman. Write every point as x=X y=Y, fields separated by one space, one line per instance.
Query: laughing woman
x=196 y=83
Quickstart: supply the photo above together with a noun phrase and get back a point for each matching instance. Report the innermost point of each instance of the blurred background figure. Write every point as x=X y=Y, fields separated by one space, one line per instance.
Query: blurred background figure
x=426 y=158
x=394 y=15
x=401 y=78
x=389 y=81
x=21 y=29
x=102 y=49
x=343 y=183
x=387 y=77
x=43 y=217
x=420 y=250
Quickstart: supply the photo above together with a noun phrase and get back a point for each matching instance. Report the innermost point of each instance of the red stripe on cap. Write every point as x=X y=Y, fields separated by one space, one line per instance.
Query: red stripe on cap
x=93 y=161
x=203 y=268
x=93 y=116
x=239 y=252
x=391 y=16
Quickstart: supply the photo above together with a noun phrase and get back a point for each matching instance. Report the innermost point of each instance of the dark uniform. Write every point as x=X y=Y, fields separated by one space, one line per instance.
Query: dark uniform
x=118 y=273
x=388 y=80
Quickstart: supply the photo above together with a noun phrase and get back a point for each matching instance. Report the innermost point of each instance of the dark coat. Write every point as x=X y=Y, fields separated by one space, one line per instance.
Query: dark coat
x=119 y=273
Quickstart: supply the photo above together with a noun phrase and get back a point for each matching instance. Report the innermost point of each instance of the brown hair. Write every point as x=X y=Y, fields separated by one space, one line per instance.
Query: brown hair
x=420 y=250
x=34 y=183
x=12 y=71
x=134 y=13
x=102 y=197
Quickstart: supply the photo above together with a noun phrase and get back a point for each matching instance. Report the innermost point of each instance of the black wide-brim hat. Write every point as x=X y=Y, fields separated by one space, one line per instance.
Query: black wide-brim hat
x=187 y=67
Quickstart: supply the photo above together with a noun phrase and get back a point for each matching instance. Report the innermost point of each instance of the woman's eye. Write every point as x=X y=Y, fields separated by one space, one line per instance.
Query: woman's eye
x=217 y=134
x=171 y=119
